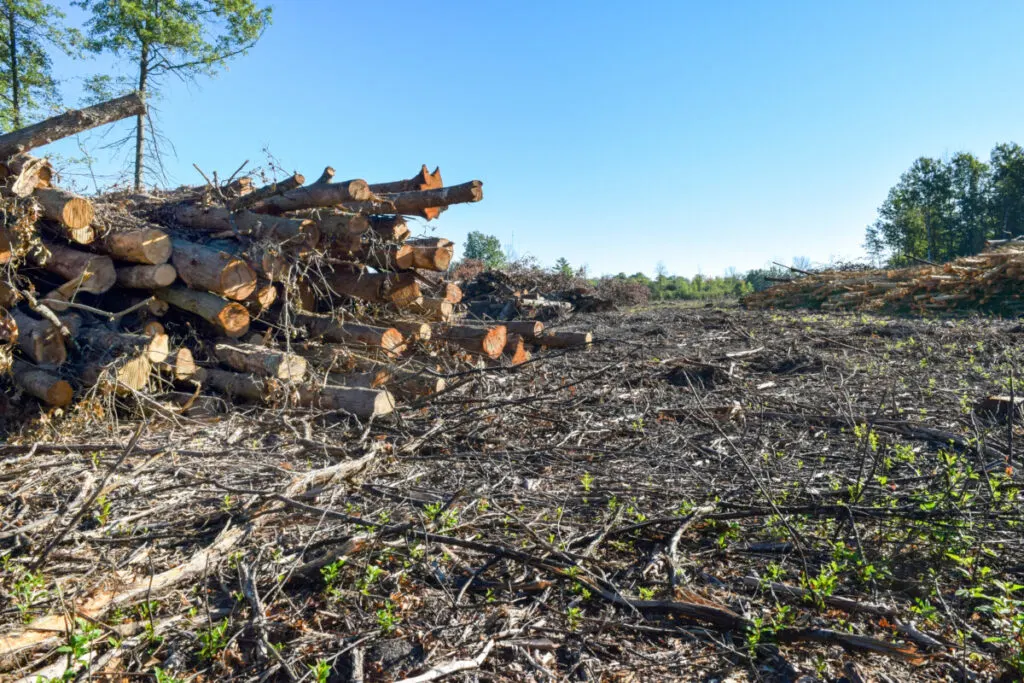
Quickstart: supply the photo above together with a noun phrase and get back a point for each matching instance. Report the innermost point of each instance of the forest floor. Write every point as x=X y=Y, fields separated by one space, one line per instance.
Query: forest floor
x=706 y=494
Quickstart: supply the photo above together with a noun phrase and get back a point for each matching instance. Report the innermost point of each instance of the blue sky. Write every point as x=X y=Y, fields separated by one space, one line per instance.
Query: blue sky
x=616 y=134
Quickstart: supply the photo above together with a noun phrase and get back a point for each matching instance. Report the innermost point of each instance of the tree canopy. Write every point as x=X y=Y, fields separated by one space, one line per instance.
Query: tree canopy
x=184 y=38
x=485 y=248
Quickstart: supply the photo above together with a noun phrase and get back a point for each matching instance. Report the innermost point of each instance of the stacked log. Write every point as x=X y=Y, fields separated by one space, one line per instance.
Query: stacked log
x=988 y=282
x=290 y=294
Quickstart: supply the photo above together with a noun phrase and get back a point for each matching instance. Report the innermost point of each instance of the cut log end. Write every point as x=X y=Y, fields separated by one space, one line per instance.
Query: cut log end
x=238 y=280
x=233 y=320
x=493 y=343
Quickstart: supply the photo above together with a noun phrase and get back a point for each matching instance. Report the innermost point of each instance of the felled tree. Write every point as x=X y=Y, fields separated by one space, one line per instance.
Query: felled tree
x=187 y=38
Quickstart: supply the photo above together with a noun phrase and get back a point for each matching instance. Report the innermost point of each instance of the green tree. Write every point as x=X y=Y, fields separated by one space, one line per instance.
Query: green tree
x=562 y=267
x=184 y=38
x=486 y=248
x=1006 y=206
x=31 y=29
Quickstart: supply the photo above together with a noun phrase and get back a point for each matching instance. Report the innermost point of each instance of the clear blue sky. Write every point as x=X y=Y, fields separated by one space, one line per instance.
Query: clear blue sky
x=618 y=134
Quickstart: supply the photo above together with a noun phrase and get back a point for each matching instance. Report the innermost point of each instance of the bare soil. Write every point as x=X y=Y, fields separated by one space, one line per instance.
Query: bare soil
x=706 y=494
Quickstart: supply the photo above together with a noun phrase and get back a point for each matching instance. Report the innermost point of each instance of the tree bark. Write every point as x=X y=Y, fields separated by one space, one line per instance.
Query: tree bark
x=39 y=383
x=180 y=365
x=385 y=256
x=67 y=208
x=316 y=196
x=203 y=268
x=12 y=55
x=261 y=361
x=363 y=403
x=417 y=203
x=338 y=225
x=70 y=123
x=147 y=246
x=325 y=177
x=564 y=340
x=332 y=357
x=234 y=384
x=147 y=277
x=122 y=376
x=400 y=289
x=25 y=174
x=433 y=253
x=262 y=298
x=229 y=317
x=39 y=339
x=140 y=117
x=325 y=327
x=489 y=341
x=109 y=343
x=528 y=329
x=97 y=272
x=280 y=229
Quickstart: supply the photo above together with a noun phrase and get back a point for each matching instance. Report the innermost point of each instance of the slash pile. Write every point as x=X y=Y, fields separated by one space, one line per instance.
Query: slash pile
x=310 y=295
x=989 y=282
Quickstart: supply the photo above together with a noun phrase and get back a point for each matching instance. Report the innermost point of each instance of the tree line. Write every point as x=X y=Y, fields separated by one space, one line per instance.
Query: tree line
x=662 y=287
x=151 y=40
x=942 y=209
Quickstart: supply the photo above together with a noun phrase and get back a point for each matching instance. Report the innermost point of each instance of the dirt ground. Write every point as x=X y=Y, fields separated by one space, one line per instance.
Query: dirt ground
x=706 y=494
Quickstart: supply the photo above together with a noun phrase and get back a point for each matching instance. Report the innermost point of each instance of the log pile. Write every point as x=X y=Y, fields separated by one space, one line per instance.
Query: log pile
x=989 y=282
x=286 y=293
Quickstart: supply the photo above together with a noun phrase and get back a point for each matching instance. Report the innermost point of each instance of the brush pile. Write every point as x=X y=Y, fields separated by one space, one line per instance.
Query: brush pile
x=989 y=282
x=306 y=294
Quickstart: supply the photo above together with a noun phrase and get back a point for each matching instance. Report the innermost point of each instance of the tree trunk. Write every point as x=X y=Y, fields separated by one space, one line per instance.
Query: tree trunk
x=262 y=298
x=489 y=341
x=316 y=196
x=234 y=384
x=385 y=256
x=147 y=277
x=24 y=174
x=108 y=343
x=214 y=271
x=229 y=317
x=387 y=339
x=267 y=191
x=140 y=118
x=363 y=403
x=390 y=228
x=564 y=340
x=39 y=383
x=262 y=361
x=332 y=357
x=280 y=229
x=412 y=385
x=338 y=225
x=12 y=55
x=68 y=209
x=437 y=310
x=433 y=253
x=413 y=330
x=417 y=203
x=146 y=245
x=39 y=339
x=97 y=272
x=70 y=123
x=400 y=289
x=123 y=376
x=424 y=180
x=528 y=329
x=325 y=177
x=266 y=259
x=180 y=365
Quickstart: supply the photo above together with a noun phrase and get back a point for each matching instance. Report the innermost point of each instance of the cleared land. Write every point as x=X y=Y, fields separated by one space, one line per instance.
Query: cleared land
x=704 y=493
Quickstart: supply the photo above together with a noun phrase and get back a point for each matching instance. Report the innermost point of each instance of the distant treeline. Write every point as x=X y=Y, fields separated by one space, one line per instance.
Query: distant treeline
x=940 y=210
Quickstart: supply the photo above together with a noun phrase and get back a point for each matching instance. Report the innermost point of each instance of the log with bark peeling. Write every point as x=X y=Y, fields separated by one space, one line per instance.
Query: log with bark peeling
x=70 y=123
x=318 y=195
x=417 y=203
x=229 y=317
x=215 y=271
x=41 y=384
x=262 y=361
x=97 y=272
x=23 y=174
x=488 y=341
